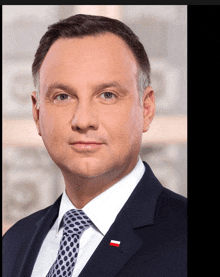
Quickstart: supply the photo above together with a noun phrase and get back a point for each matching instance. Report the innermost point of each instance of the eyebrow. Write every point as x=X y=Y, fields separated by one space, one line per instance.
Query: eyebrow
x=70 y=89
x=107 y=85
x=53 y=86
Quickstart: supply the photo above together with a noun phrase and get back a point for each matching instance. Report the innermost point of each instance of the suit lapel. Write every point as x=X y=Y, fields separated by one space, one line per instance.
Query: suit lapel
x=42 y=227
x=107 y=260
x=138 y=211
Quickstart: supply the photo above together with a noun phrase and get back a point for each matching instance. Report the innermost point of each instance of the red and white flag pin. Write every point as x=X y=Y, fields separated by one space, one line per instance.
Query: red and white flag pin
x=115 y=243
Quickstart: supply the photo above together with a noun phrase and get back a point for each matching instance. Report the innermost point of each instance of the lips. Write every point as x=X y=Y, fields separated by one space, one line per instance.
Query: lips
x=86 y=142
x=86 y=145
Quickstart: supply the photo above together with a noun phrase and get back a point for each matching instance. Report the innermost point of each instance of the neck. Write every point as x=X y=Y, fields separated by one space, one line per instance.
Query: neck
x=81 y=190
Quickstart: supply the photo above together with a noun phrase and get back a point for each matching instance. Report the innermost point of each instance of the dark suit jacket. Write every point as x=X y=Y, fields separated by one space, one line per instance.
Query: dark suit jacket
x=152 y=229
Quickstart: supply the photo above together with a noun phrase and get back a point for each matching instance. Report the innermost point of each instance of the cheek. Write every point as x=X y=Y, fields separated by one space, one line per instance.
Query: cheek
x=52 y=127
x=124 y=127
x=134 y=127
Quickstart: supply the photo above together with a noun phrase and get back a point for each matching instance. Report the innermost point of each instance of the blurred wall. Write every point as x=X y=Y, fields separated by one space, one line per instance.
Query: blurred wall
x=31 y=180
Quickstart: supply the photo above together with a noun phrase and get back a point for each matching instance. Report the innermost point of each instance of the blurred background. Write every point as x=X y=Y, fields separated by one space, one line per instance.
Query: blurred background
x=31 y=181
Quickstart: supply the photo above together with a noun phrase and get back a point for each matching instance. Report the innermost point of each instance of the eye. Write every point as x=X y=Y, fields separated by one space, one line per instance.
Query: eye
x=62 y=97
x=108 y=95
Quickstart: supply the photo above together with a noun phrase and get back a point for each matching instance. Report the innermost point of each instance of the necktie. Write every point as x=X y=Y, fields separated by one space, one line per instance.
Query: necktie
x=74 y=223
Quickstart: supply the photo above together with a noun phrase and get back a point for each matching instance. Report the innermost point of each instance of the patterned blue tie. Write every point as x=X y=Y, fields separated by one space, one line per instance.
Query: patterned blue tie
x=74 y=223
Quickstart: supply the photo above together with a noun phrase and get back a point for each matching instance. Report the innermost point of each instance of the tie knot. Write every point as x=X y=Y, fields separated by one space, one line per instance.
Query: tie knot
x=75 y=222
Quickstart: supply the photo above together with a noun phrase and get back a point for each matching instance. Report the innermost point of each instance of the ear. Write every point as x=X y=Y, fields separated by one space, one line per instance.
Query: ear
x=35 y=111
x=148 y=101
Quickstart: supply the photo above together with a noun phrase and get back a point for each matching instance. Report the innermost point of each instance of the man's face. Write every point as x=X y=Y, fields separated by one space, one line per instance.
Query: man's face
x=90 y=118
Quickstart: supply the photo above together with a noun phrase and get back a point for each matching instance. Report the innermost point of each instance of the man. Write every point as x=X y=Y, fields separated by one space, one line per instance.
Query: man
x=92 y=104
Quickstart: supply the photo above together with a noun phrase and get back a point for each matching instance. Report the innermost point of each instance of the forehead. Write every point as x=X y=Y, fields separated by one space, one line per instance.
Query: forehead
x=91 y=56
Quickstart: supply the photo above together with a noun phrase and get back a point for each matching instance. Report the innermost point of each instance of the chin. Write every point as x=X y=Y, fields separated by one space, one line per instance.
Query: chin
x=87 y=168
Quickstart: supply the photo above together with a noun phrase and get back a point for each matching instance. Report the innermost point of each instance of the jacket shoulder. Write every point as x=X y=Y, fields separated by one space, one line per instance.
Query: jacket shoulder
x=171 y=216
x=23 y=227
x=170 y=205
x=26 y=226
x=20 y=236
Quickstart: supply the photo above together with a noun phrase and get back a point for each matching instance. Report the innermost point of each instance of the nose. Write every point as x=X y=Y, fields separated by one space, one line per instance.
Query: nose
x=85 y=118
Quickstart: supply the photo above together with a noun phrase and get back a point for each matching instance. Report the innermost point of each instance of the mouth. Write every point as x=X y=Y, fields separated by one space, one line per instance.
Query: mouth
x=82 y=146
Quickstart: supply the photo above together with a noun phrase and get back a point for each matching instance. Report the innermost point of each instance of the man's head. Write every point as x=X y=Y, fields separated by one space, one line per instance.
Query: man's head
x=86 y=25
x=90 y=117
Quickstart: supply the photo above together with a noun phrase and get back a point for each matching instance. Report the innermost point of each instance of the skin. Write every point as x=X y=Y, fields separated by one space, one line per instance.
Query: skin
x=88 y=92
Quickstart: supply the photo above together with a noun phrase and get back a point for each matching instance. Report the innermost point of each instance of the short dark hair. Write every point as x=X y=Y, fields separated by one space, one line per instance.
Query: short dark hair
x=81 y=25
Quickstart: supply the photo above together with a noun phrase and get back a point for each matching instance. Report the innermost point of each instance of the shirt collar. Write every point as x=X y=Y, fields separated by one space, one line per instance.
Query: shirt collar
x=103 y=209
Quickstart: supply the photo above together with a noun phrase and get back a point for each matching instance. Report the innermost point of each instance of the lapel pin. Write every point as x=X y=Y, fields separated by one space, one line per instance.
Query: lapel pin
x=115 y=243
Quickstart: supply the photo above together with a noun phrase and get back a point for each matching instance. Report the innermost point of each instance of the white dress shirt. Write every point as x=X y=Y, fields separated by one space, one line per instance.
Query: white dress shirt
x=102 y=210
